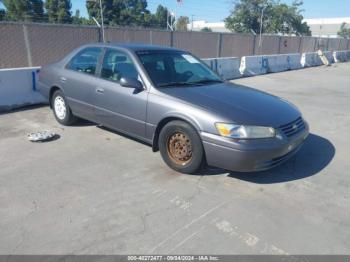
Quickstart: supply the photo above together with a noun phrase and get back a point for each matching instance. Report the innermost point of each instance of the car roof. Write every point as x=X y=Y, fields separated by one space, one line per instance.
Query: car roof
x=135 y=46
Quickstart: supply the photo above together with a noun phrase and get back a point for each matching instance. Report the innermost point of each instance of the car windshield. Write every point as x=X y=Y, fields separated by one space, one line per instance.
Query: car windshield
x=173 y=68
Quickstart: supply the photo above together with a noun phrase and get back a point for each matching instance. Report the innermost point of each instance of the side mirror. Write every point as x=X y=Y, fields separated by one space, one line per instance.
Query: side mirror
x=131 y=82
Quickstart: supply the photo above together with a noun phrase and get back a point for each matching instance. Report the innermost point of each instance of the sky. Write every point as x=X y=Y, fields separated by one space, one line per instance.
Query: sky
x=217 y=10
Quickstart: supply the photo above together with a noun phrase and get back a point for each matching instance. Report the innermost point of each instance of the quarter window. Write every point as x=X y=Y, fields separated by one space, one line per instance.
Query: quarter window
x=116 y=65
x=86 y=60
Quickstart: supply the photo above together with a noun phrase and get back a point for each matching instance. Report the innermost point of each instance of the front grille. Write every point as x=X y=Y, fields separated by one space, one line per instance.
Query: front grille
x=293 y=128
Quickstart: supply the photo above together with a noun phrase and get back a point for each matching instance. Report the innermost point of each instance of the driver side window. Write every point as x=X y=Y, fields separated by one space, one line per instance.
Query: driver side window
x=116 y=65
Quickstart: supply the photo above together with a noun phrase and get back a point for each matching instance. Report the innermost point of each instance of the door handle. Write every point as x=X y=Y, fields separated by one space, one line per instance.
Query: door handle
x=63 y=79
x=100 y=90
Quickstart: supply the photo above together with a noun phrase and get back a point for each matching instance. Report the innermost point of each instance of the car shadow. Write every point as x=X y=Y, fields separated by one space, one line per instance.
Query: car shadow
x=313 y=157
x=9 y=110
x=123 y=135
x=83 y=122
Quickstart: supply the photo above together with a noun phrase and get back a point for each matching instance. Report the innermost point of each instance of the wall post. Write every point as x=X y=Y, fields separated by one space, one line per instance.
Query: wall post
x=171 y=38
x=219 y=45
x=99 y=35
x=327 y=44
x=279 y=44
x=27 y=45
x=339 y=44
x=254 y=40
x=300 y=42
x=315 y=46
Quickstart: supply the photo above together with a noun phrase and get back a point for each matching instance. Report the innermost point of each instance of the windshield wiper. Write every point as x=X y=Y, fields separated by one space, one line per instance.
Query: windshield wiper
x=196 y=83
x=207 y=81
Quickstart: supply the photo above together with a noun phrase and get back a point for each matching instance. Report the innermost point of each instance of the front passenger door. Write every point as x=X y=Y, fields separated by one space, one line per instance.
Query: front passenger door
x=119 y=107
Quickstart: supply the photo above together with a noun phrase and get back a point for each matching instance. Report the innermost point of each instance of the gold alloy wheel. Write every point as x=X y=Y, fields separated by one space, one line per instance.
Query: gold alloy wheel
x=179 y=148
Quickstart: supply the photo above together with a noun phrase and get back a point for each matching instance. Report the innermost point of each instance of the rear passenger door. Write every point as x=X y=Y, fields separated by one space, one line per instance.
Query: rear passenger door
x=79 y=81
x=119 y=107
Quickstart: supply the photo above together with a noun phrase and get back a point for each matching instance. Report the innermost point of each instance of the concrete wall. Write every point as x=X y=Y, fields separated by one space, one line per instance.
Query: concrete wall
x=341 y=56
x=18 y=88
x=237 y=45
x=308 y=44
x=200 y=44
x=18 y=85
x=269 y=45
x=333 y=44
x=39 y=44
x=321 y=44
x=289 y=44
x=49 y=43
x=160 y=38
x=226 y=67
x=13 y=51
x=343 y=44
x=125 y=36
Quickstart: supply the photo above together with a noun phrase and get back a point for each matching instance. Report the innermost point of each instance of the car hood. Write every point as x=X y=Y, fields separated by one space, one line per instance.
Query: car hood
x=239 y=104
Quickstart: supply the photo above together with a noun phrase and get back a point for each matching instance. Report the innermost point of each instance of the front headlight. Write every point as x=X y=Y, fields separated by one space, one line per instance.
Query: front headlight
x=244 y=131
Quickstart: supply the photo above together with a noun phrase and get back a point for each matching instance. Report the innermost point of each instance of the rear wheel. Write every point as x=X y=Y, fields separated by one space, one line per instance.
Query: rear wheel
x=181 y=147
x=62 y=112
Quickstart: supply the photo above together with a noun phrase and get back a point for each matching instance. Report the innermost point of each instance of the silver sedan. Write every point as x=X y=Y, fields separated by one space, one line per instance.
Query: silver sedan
x=170 y=99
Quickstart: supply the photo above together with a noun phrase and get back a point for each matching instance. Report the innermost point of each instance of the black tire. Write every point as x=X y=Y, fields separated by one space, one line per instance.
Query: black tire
x=67 y=118
x=168 y=134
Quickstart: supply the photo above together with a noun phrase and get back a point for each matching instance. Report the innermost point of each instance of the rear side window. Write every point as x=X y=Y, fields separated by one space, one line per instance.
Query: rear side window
x=86 y=60
x=116 y=65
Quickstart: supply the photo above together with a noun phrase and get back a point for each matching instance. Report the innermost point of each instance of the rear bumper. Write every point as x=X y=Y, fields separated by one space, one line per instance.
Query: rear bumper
x=252 y=155
x=43 y=89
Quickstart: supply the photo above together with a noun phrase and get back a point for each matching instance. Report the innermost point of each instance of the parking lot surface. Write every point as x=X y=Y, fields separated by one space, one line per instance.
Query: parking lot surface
x=93 y=191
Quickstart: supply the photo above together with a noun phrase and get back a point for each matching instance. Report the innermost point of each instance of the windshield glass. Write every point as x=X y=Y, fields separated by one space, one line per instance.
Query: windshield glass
x=172 y=68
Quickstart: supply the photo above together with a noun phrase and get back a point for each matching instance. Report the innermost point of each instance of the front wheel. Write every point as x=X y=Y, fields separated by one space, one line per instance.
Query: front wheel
x=62 y=112
x=181 y=147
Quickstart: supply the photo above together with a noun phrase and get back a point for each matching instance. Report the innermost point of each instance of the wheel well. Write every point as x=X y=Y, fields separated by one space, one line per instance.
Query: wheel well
x=161 y=124
x=52 y=91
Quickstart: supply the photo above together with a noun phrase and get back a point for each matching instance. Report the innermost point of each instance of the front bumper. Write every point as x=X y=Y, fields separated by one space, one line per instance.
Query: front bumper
x=250 y=155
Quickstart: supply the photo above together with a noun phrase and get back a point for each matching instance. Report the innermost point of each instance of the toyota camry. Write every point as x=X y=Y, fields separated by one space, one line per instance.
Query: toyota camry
x=171 y=100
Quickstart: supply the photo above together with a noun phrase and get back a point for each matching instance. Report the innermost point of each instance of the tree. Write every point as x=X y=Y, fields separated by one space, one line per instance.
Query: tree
x=277 y=17
x=2 y=14
x=245 y=17
x=121 y=12
x=181 y=23
x=161 y=17
x=24 y=10
x=206 y=29
x=344 y=31
x=58 y=11
x=37 y=7
x=287 y=19
x=79 y=20
x=76 y=18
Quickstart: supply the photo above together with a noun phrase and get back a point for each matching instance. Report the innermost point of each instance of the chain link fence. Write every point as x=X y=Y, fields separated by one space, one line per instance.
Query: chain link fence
x=34 y=44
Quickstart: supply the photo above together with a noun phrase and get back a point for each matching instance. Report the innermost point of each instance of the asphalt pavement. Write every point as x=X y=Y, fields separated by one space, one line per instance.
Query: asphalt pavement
x=93 y=191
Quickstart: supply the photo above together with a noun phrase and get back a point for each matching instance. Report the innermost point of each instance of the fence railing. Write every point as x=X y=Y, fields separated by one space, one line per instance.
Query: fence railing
x=32 y=44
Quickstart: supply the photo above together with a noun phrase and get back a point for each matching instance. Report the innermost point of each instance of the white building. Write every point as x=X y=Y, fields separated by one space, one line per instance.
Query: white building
x=200 y=24
x=325 y=27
